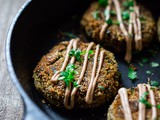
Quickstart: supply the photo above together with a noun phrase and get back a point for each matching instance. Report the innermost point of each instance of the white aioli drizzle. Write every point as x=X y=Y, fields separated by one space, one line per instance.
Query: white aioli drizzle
x=125 y=104
x=128 y=55
x=142 y=107
x=105 y=25
x=139 y=36
x=153 y=102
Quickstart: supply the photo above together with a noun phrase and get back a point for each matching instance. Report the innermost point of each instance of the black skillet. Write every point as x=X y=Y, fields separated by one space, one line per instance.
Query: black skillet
x=31 y=35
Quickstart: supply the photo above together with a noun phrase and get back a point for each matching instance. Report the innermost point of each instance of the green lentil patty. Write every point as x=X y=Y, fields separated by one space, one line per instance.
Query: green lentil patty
x=114 y=39
x=107 y=84
x=116 y=111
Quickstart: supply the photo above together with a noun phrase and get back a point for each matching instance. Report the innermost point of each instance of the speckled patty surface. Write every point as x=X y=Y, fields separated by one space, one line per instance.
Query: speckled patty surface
x=107 y=84
x=115 y=111
x=114 y=38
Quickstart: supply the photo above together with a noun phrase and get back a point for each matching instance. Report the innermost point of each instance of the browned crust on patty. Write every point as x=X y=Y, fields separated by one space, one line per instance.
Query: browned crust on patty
x=114 y=38
x=54 y=93
x=115 y=111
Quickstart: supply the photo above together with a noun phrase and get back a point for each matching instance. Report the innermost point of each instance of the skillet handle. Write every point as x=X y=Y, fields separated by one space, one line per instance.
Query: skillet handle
x=32 y=112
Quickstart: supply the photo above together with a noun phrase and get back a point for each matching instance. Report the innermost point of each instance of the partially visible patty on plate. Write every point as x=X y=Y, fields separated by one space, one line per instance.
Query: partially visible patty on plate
x=106 y=86
x=116 y=110
x=114 y=39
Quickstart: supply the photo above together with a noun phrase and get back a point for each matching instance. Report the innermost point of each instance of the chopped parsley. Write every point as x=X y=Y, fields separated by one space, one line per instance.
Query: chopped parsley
x=112 y=12
x=132 y=74
x=70 y=35
x=128 y=3
x=148 y=72
x=144 y=101
x=76 y=53
x=68 y=75
x=142 y=18
x=89 y=52
x=96 y=15
x=158 y=106
x=75 y=84
x=154 y=83
x=154 y=64
x=103 y=3
x=109 y=22
x=144 y=60
x=125 y=15
x=101 y=87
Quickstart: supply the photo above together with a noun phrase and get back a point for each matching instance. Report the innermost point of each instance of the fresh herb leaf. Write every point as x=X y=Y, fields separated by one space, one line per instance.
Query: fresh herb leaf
x=89 y=52
x=112 y=12
x=132 y=74
x=129 y=3
x=75 y=84
x=158 y=106
x=70 y=35
x=101 y=87
x=154 y=83
x=154 y=64
x=109 y=22
x=125 y=15
x=76 y=53
x=144 y=101
x=103 y=3
x=144 y=60
x=68 y=75
x=116 y=22
x=142 y=18
x=148 y=72
x=96 y=15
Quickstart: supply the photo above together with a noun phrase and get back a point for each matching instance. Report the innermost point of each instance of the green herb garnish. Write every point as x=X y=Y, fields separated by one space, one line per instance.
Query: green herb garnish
x=75 y=84
x=76 y=53
x=142 y=18
x=154 y=83
x=154 y=64
x=96 y=15
x=116 y=22
x=132 y=74
x=144 y=60
x=89 y=52
x=101 y=87
x=148 y=72
x=112 y=12
x=144 y=101
x=109 y=22
x=125 y=15
x=158 y=106
x=70 y=35
x=129 y=3
x=68 y=75
x=103 y=3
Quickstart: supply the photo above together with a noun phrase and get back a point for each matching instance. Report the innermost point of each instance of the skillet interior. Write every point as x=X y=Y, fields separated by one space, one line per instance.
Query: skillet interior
x=35 y=33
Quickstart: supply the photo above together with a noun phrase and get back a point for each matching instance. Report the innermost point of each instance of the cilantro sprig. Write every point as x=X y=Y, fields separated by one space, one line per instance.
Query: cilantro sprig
x=78 y=53
x=68 y=75
x=125 y=15
x=132 y=74
x=143 y=99
x=154 y=64
x=103 y=3
x=128 y=3
x=96 y=15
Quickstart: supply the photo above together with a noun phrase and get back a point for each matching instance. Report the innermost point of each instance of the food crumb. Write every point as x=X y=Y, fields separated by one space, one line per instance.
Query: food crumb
x=43 y=101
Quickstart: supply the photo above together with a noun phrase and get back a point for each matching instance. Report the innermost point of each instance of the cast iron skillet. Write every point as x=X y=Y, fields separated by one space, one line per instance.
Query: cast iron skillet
x=33 y=33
